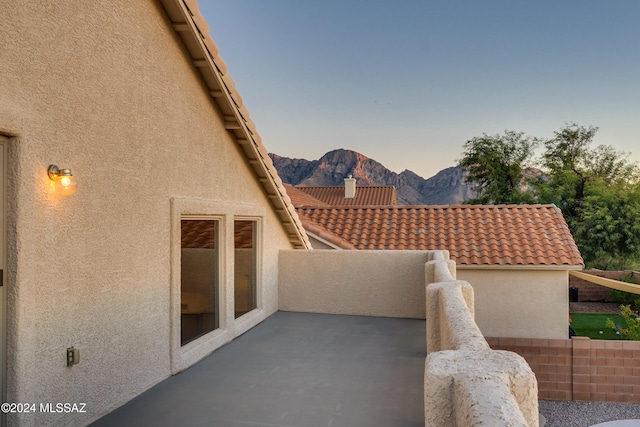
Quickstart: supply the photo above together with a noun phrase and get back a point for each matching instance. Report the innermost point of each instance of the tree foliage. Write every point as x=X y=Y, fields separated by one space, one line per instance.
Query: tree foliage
x=571 y=167
x=494 y=167
x=597 y=189
x=607 y=226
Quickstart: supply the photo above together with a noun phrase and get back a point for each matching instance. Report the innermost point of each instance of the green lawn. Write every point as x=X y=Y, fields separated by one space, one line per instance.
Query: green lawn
x=590 y=325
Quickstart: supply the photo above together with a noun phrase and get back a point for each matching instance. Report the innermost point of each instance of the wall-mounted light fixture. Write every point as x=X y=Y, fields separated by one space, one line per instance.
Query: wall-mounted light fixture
x=64 y=182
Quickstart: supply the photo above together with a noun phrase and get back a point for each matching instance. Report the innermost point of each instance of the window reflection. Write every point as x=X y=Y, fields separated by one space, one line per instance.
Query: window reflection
x=245 y=266
x=199 y=278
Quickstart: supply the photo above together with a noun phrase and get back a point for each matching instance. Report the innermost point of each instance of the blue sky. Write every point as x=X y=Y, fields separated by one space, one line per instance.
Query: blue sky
x=407 y=83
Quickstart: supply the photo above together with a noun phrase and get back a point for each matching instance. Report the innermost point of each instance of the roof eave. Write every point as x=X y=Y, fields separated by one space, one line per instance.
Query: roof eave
x=324 y=241
x=194 y=32
x=562 y=267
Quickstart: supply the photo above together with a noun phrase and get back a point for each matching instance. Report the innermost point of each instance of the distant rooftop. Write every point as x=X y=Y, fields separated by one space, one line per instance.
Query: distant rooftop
x=335 y=196
x=302 y=198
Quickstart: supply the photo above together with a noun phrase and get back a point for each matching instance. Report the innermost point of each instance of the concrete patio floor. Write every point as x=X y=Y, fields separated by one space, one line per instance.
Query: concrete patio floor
x=296 y=369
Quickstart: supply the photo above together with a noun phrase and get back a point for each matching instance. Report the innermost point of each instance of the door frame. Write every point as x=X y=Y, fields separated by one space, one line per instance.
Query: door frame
x=4 y=141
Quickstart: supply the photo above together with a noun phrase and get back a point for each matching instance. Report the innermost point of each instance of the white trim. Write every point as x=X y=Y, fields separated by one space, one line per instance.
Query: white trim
x=257 y=242
x=321 y=240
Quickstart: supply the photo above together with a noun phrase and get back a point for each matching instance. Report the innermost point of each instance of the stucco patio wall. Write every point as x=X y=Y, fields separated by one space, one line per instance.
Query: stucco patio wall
x=467 y=383
x=366 y=283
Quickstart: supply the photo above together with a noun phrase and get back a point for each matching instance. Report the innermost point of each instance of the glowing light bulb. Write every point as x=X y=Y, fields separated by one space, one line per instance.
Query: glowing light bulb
x=64 y=182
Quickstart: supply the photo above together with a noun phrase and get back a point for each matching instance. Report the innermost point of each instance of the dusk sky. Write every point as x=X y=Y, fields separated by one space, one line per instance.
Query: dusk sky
x=407 y=83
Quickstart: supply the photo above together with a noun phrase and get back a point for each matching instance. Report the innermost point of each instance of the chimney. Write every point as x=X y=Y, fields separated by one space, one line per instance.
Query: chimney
x=349 y=187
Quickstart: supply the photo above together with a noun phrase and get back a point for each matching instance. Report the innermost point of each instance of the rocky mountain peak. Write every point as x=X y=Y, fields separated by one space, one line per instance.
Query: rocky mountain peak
x=445 y=188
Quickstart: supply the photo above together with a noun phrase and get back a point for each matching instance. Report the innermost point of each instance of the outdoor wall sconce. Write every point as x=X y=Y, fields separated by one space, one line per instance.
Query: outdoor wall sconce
x=64 y=182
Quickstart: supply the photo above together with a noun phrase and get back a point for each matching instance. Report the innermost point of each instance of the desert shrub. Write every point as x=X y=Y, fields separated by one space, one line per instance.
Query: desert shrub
x=622 y=297
x=632 y=319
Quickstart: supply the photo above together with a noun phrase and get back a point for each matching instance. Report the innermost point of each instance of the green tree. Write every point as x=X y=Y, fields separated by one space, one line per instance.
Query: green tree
x=570 y=166
x=608 y=227
x=495 y=165
x=596 y=188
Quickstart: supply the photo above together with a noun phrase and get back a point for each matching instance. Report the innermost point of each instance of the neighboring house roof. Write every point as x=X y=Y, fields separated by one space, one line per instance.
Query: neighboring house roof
x=300 y=198
x=365 y=195
x=522 y=235
x=320 y=233
x=194 y=32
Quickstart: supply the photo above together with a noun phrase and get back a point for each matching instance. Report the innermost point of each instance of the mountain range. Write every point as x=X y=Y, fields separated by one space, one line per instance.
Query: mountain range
x=447 y=187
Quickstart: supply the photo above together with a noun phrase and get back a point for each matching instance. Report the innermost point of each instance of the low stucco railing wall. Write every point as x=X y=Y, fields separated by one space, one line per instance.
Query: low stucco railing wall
x=364 y=283
x=467 y=383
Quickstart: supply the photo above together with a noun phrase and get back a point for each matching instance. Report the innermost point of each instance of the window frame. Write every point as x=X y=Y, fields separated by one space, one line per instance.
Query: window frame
x=218 y=272
x=257 y=242
x=183 y=356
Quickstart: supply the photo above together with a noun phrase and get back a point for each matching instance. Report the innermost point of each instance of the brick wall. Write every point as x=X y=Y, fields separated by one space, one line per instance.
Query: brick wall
x=580 y=368
x=588 y=291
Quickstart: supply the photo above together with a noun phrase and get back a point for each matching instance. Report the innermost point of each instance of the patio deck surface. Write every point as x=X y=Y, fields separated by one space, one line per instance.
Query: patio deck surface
x=296 y=370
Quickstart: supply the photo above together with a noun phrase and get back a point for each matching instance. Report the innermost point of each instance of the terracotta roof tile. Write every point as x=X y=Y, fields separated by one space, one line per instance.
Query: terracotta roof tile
x=300 y=198
x=474 y=234
x=325 y=234
x=383 y=195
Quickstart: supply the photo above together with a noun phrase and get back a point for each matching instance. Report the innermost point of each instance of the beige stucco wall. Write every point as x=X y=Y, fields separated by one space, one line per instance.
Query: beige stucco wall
x=368 y=283
x=105 y=89
x=519 y=302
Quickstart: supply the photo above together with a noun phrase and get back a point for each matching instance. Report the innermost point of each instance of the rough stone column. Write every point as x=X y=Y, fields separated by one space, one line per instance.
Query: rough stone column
x=449 y=315
x=470 y=388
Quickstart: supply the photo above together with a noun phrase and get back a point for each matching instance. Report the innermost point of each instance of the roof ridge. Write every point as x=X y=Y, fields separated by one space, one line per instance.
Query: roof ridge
x=342 y=186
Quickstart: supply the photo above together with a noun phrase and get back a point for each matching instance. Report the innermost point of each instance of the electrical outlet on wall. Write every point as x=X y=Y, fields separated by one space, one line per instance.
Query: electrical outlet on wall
x=73 y=356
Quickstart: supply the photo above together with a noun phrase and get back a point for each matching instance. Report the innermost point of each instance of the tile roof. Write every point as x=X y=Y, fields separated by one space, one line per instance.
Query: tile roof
x=473 y=234
x=300 y=198
x=193 y=30
x=365 y=195
x=324 y=234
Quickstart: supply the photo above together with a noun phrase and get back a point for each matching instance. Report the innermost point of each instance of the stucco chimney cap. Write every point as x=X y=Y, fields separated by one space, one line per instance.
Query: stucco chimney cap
x=349 y=187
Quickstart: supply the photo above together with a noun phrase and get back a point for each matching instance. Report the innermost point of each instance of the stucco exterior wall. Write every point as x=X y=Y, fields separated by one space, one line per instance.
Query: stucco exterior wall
x=368 y=283
x=105 y=88
x=519 y=303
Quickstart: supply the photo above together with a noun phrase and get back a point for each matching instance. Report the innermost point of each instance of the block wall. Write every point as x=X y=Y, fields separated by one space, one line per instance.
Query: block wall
x=580 y=368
